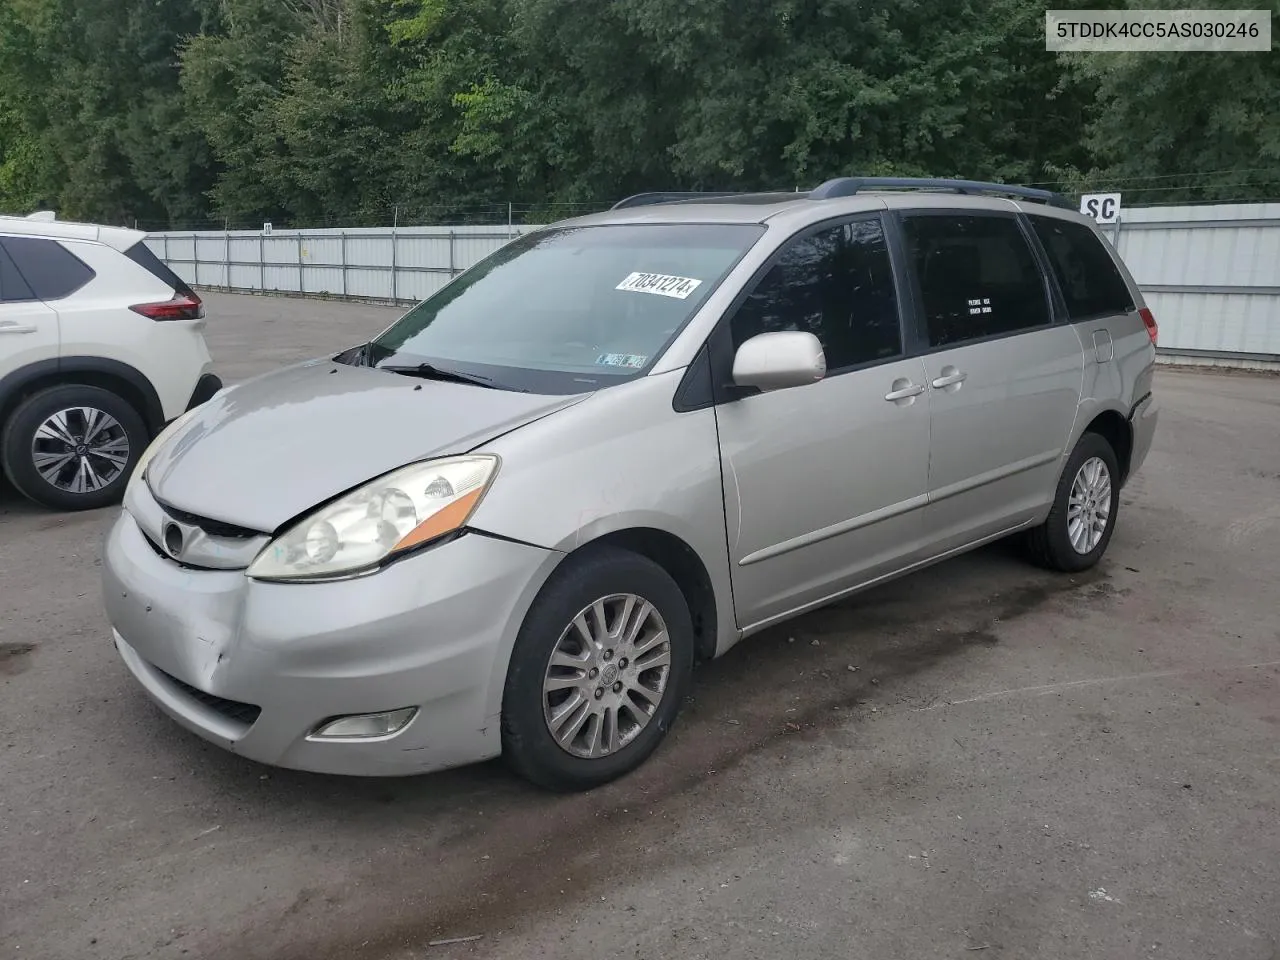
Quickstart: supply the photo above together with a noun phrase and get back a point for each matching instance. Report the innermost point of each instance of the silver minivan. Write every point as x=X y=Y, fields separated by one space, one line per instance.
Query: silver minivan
x=512 y=522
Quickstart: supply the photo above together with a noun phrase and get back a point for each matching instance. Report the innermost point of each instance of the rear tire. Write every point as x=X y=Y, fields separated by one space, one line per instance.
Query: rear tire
x=1085 y=509
x=617 y=680
x=72 y=447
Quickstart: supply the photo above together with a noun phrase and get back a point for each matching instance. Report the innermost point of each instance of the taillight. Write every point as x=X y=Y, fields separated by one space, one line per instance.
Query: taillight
x=1153 y=330
x=181 y=307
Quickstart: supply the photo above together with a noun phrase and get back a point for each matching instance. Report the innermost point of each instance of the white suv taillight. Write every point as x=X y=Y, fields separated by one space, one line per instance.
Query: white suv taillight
x=181 y=307
x=1153 y=330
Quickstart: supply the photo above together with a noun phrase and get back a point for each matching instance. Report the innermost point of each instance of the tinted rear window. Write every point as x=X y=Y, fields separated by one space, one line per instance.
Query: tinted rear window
x=978 y=277
x=12 y=287
x=141 y=254
x=49 y=269
x=1090 y=282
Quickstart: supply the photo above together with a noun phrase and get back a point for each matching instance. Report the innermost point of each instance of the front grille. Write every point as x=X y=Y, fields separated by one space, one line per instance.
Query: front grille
x=211 y=528
x=245 y=713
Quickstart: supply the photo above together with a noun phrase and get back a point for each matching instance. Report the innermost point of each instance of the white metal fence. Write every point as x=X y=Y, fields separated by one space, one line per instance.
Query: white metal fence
x=1211 y=274
x=406 y=263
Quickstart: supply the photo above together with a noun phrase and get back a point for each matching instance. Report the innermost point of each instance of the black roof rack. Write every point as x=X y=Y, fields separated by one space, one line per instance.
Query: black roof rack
x=848 y=186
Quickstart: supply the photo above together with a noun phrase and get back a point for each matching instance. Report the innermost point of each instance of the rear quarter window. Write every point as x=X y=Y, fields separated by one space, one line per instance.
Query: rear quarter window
x=1090 y=283
x=142 y=255
x=49 y=269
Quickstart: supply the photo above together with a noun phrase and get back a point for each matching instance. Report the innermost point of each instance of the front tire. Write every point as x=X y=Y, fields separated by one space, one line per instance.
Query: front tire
x=1085 y=507
x=599 y=671
x=72 y=447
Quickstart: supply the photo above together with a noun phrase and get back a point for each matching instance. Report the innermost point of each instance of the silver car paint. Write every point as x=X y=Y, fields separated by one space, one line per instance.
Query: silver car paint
x=818 y=502
x=434 y=631
x=1121 y=384
x=262 y=453
x=997 y=438
x=623 y=460
x=784 y=505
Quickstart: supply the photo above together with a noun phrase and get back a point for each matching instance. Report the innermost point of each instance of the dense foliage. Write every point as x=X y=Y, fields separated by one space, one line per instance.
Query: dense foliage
x=360 y=111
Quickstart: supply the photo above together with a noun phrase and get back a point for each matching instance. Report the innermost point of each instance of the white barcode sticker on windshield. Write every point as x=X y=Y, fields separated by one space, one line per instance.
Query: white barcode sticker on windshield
x=633 y=360
x=661 y=284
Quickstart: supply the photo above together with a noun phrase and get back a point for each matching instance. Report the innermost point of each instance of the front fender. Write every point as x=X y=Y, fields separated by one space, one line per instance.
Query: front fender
x=622 y=460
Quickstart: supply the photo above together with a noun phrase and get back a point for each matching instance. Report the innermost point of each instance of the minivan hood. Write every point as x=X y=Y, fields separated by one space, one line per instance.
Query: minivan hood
x=271 y=448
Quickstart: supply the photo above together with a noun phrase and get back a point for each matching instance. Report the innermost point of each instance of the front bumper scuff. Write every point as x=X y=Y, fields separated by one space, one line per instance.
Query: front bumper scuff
x=433 y=631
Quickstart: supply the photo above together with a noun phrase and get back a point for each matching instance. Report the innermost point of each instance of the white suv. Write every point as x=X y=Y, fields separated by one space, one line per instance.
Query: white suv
x=100 y=347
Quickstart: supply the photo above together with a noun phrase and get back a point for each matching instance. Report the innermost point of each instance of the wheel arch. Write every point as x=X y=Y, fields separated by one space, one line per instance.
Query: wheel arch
x=1114 y=427
x=682 y=563
x=125 y=381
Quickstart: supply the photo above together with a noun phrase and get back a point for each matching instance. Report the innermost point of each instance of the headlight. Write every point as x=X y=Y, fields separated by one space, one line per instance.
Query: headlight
x=163 y=437
x=395 y=513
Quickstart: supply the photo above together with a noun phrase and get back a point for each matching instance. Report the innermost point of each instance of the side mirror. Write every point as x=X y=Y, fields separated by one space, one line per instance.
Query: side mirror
x=774 y=361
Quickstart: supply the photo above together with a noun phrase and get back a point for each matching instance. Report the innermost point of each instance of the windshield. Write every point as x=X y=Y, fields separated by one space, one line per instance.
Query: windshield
x=568 y=310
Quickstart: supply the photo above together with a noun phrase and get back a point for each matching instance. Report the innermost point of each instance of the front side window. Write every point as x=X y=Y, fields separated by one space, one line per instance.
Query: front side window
x=977 y=277
x=836 y=283
x=1091 y=284
x=569 y=310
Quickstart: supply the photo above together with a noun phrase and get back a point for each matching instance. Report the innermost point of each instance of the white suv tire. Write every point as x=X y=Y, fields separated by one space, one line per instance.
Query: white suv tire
x=72 y=447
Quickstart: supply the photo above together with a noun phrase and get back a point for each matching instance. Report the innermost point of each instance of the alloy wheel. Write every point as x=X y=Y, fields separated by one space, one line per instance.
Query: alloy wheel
x=1089 y=506
x=80 y=449
x=606 y=676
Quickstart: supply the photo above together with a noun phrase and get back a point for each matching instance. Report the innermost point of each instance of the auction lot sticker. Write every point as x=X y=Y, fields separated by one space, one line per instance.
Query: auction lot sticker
x=660 y=283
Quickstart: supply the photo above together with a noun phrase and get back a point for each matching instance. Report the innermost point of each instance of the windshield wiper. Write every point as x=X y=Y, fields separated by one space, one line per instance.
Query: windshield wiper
x=429 y=372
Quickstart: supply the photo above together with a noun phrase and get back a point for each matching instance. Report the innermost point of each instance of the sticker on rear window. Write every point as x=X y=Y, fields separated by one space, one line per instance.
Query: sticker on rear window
x=633 y=360
x=662 y=284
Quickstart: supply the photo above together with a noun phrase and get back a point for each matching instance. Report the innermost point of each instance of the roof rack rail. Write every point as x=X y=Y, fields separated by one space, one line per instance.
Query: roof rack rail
x=646 y=199
x=848 y=186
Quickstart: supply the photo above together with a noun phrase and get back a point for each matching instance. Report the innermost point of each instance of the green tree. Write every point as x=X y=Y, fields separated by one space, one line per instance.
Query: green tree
x=30 y=172
x=93 y=87
x=598 y=99
x=313 y=111
x=1166 y=128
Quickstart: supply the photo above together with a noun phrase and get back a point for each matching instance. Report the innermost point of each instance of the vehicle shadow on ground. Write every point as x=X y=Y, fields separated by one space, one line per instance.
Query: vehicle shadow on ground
x=800 y=681
x=814 y=671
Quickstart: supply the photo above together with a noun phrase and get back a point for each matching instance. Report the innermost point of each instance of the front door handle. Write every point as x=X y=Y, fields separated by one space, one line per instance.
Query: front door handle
x=951 y=377
x=12 y=326
x=904 y=389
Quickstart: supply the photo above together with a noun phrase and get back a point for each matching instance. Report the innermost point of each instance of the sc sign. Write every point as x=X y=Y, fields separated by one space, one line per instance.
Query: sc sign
x=1103 y=207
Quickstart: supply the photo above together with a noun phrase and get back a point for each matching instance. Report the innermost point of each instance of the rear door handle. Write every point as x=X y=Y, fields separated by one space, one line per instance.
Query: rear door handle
x=950 y=379
x=905 y=392
x=12 y=326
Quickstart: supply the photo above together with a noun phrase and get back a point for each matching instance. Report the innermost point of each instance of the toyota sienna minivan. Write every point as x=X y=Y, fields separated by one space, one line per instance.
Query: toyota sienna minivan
x=512 y=522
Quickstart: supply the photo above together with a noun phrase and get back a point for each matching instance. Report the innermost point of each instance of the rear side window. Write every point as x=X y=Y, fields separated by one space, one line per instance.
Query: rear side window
x=835 y=283
x=13 y=289
x=977 y=275
x=1090 y=282
x=49 y=269
x=141 y=254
